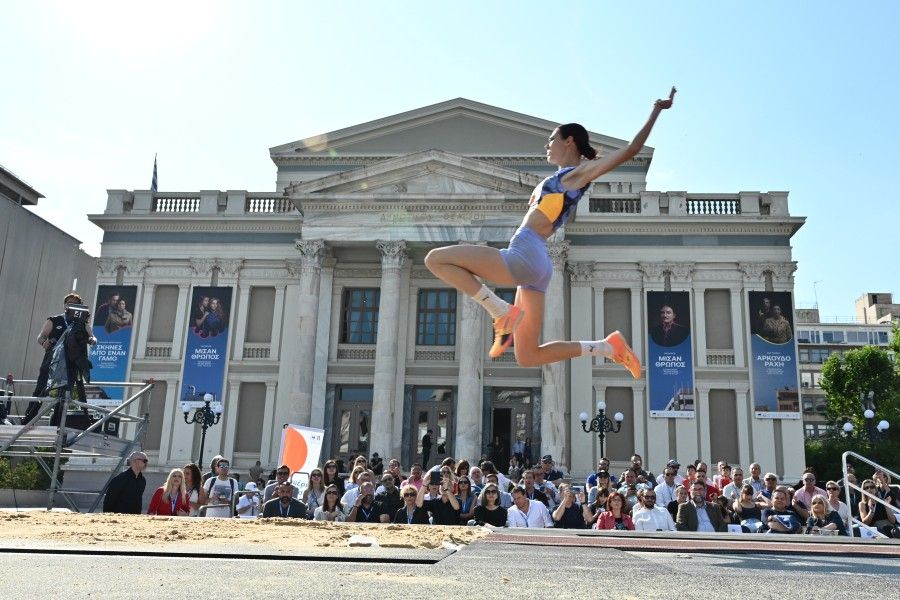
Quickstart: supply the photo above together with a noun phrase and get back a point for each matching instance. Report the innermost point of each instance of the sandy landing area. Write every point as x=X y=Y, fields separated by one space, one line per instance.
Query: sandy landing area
x=282 y=535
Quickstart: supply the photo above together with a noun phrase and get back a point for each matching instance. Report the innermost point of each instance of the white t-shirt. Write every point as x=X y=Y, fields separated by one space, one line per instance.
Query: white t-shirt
x=245 y=501
x=220 y=493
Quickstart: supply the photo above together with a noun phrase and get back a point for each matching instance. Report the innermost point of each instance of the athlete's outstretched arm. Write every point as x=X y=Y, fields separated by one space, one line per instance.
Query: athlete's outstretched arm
x=590 y=170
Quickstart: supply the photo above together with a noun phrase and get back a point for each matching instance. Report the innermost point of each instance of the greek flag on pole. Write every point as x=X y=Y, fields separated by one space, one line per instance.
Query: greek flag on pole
x=153 y=183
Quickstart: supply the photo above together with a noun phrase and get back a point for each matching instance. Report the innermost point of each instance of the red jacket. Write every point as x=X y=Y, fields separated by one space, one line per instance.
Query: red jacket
x=159 y=506
x=606 y=520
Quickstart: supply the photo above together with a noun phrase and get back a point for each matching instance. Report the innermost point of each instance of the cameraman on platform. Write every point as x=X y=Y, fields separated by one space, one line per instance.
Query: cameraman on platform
x=50 y=333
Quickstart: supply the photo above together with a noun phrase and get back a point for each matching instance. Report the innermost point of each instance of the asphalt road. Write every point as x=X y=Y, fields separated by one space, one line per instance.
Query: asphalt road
x=482 y=569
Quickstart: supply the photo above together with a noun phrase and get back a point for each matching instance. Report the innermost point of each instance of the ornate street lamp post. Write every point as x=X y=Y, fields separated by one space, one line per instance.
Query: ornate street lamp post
x=601 y=424
x=206 y=415
x=873 y=430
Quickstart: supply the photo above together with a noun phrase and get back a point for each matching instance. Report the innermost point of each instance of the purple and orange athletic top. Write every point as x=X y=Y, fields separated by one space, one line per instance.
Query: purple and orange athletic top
x=556 y=202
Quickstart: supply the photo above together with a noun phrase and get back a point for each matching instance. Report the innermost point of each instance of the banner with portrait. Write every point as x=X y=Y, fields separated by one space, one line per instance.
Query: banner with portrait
x=773 y=362
x=112 y=323
x=670 y=364
x=206 y=351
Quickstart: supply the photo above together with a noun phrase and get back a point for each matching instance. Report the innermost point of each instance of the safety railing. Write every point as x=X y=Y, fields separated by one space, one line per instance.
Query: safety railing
x=848 y=485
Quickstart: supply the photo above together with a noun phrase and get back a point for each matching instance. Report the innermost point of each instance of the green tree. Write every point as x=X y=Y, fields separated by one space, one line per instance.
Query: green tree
x=846 y=378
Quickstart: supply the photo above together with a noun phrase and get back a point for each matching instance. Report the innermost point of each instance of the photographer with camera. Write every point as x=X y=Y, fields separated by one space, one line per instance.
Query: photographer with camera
x=50 y=334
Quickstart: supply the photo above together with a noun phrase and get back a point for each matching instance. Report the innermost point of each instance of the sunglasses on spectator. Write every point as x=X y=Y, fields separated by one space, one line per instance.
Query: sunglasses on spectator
x=220 y=466
x=833 y=489
x=771 y=479
x=490 y=492
x=285 y=473
x=316 y=475
x=332 y=493
x=409 y=494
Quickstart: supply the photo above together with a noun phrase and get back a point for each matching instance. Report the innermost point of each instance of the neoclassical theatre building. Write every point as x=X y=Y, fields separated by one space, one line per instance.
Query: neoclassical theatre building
x=334 y=321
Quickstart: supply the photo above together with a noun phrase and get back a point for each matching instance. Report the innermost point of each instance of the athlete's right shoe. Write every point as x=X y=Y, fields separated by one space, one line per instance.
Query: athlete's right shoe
x=623 y=354
x=503 y=330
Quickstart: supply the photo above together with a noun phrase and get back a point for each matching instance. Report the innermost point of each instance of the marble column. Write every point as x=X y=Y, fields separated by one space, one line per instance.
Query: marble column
x=240 y=325
x=470 y=383
x=699 y=325
x=738 y=328
x=144 y=320
x=299 y=403
x=581 y=276
x=384 y=395
x=554 y=422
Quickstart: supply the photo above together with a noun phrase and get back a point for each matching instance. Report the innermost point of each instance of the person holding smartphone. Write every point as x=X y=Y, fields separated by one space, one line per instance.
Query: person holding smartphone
x=439 y=499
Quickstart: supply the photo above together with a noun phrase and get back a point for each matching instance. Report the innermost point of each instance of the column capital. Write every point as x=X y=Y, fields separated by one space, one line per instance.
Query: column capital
x=312 y=253
x=133 y=266
x=755 y=272
x=655 y=271
x=559 y=252
x=581 y=274
x=393 y=253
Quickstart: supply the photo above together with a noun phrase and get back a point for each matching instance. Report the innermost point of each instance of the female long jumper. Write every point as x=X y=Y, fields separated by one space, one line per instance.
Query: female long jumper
x=526 y=264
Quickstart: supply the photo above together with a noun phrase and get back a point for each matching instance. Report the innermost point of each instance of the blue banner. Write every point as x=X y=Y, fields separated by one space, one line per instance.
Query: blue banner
x=206 y=351
x=670 y=365
x=113 y=324
x=774 y=356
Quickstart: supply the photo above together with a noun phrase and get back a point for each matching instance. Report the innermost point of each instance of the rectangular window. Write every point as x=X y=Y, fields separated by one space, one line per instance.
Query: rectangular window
x=833 y=337
x=804 y=355
x=857 y=337
x=359 y=319
x=436 y=318
x=879 y=337
x=259 y=315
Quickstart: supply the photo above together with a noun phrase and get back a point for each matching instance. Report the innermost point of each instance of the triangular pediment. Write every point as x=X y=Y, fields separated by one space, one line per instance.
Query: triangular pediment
x=458 y=126
x=432 y=172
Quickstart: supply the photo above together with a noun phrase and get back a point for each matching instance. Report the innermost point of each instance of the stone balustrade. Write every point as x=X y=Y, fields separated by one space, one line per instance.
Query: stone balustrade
x=720 y=358
x=257 y=351
x=205 y=202
x=158 y=350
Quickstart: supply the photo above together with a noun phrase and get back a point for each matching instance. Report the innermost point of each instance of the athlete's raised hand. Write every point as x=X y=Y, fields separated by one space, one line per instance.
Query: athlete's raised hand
x=667 y=103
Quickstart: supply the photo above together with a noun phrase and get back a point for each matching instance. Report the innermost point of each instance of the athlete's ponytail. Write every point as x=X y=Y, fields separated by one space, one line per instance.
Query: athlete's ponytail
x=580 y=135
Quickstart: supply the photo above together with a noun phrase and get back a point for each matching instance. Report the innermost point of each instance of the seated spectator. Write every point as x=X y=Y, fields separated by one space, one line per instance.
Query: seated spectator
x=723 y=477
x=780 y=518
x=353 y=481
x=551 y=473
x=803 y=496
x=284 y=505
x=394 y=470
x=712 y=492
x=573 y=512
x=282 y=474
x=171 y=498
x=732 y=490
x=674 y=465
x=531 y=491
x=220 y=490
x=415 y=477
x=389 y=495
x=248 y=504
x=314 y=493
x=439 y=501
x=727 y=510
x=681 y=496
x=885 y=490
x=360 y=461
x=615 y=516
x=256 y=472
x=697 y=514
x=350 y=496
x=410 y=513
x=665 y=491
x=505 y=497
x=547 y=487
x=487 y=467
x=515 y=468
x=466 y=499
x=598 y=504
x=364 y=509
x=602 y=467
x=875 y=514
x=462 y=468
x=477 y=477
x=748 y=511
x=641 y=475
x=602 y=482
x=331 y=477
x=647 y=516
x=770 y=483
x=755 y=478
x=834 y=501
x=488 y=511
x=376 y=465
x=525 y=512
x=630 y=481
x=330 y=509
x=822 y=518
x=690 y=473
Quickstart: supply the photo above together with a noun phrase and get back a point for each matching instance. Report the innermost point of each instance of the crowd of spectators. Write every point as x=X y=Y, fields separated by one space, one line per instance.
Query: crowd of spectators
x=458 y=493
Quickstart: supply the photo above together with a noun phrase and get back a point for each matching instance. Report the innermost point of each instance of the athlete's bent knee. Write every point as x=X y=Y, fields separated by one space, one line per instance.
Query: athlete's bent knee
x=526 y=359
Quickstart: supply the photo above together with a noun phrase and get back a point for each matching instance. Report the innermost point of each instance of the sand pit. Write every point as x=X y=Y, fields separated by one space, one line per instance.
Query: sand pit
x=263 y=535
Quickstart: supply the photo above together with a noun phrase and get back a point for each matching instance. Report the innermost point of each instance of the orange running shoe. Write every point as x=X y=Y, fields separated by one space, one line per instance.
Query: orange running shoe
x=623 y=354
x=503 y=330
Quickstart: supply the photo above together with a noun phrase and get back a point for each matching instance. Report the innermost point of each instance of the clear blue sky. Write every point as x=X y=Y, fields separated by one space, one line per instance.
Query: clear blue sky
x=796 y=96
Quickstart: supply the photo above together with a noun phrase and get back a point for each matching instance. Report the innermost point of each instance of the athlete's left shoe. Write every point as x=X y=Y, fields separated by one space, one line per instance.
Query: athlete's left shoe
x=623 y=354
x=503 y=330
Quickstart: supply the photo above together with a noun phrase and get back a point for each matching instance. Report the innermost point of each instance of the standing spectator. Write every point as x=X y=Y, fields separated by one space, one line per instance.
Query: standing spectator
x=681 y=496
x=647 y=516
x=125 y=493
x=364 y=508
x=803 y=497
x=248 y=505
x=285 y=505
x=749 y=511
x=282 y=474
x=256 y=472
x=780 y=518
x=411 y=513
x=331 y=509
x=615 y=515
x=220 y=489
x=755 y=478
x=170 y=499
x=602 y=467
x=643 y=476
x=515 y=468
x=732 y=490
x=376 y=464
x=395 y=472
x=212 y=468
x=440 y=501
x=415 y=477
x=572 y=512
x=488 y=511
x=331 y=477
x=665 y=491
x=466 y=499
x=674 y=465
x=873 y=513
x=822 y=518
x=426 y=447
x=193 y=483
x=505 y=497
x=698 y=514
x=834 y=501
x=526 y=453
x=388 y=495
x=314 y=493
x=525 y=512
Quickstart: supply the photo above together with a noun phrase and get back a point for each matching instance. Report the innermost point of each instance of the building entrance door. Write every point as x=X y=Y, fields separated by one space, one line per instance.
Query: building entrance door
x=432 y=411
x=510 y=425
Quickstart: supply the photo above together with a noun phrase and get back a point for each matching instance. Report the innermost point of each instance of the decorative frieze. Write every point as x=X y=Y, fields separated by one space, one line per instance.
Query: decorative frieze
x=580 y=273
